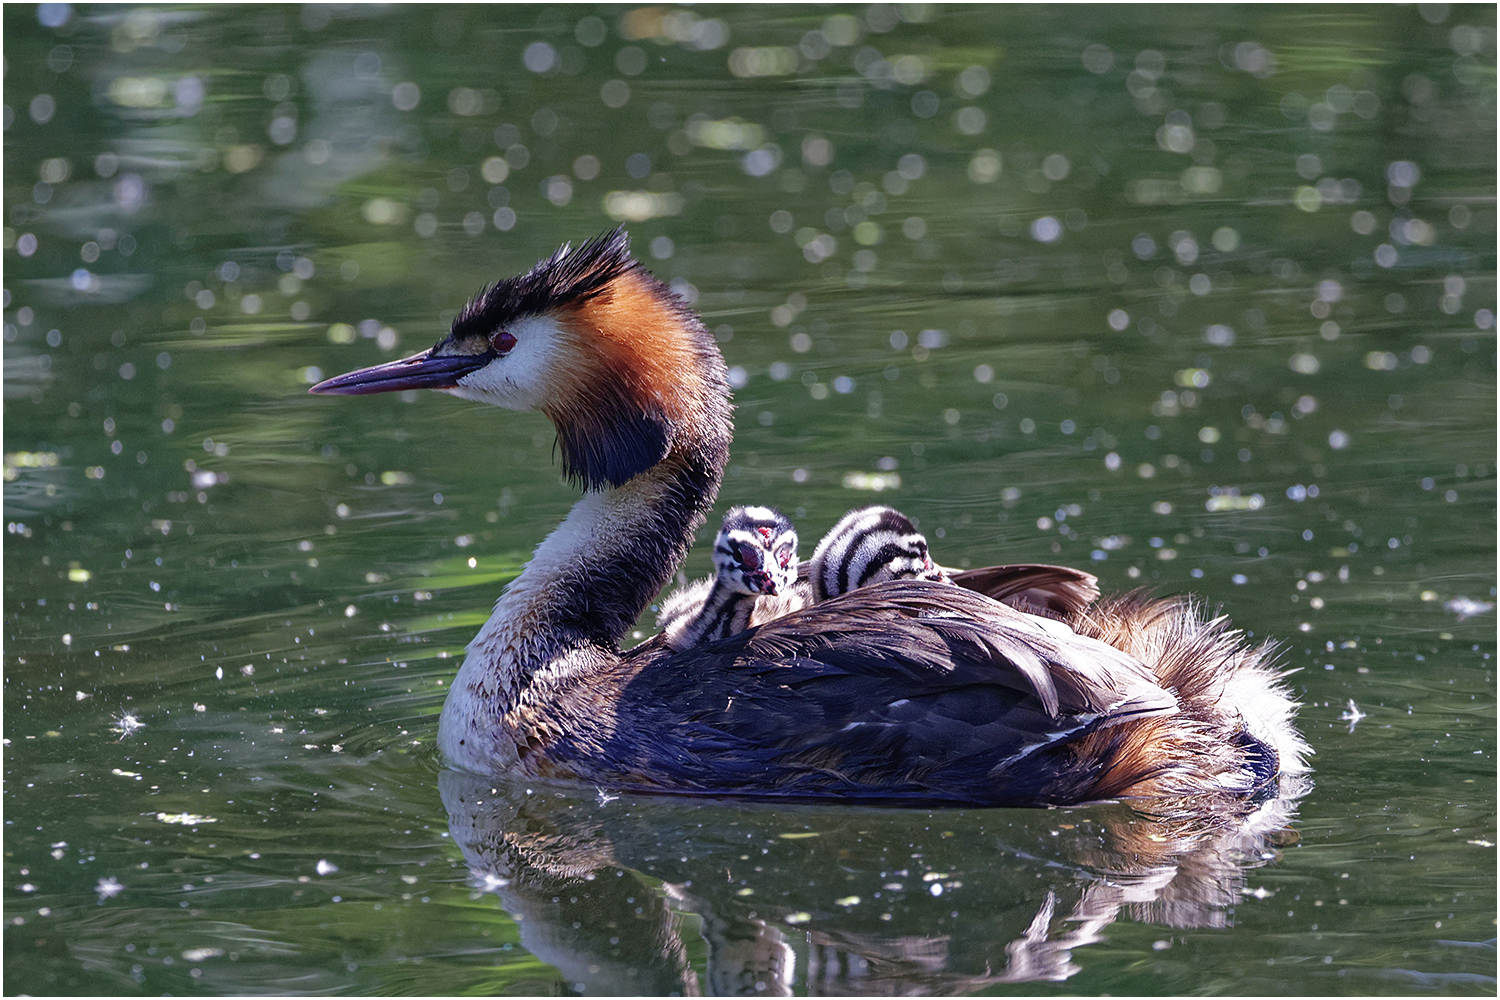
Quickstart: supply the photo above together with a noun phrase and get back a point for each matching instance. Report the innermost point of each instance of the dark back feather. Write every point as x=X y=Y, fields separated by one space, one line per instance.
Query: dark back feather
x=904 y=690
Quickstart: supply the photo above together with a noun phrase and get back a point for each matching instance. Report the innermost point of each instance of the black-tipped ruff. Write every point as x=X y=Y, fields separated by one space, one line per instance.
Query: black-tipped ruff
x=636 y=441
x=640 y=367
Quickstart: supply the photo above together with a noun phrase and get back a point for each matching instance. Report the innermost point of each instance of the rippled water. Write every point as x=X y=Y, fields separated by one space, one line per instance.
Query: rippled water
x=1200 y=298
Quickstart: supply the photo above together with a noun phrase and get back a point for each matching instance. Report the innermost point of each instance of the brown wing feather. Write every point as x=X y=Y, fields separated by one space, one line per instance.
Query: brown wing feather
x=1034 y=588
x=909 y=689
x=1067 y=671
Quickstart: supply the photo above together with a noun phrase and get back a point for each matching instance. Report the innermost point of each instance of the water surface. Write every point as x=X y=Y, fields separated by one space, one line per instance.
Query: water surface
x=1202 y=299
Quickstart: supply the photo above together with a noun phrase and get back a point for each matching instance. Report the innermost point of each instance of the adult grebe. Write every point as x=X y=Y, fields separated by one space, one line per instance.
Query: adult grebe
x=755 y=557
x=907 y=690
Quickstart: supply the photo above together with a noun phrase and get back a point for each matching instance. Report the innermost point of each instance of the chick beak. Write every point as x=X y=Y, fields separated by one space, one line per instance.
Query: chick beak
x=420 y=371
x=762 y=582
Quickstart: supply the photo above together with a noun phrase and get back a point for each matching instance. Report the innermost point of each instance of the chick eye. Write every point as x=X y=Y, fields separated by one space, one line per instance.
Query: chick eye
x=503 y=341
x=749 y=557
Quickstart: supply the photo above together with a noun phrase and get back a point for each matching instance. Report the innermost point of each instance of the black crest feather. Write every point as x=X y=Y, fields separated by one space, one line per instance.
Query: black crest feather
x=568 y=276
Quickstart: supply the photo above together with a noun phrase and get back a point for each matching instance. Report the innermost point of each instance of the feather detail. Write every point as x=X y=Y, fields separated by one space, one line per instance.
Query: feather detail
x=1057 y=591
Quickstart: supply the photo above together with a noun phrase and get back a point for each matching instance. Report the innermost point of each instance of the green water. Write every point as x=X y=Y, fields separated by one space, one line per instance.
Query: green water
x=1200 y=298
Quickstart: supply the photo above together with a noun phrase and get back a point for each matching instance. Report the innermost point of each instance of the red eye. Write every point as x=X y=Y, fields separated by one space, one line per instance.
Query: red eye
x=502 y=341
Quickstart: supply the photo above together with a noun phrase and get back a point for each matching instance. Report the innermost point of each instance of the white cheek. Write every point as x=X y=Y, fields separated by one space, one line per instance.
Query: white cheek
x=519 y=380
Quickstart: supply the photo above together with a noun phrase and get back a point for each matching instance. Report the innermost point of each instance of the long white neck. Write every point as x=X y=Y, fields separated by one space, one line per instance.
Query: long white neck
x=560 y=621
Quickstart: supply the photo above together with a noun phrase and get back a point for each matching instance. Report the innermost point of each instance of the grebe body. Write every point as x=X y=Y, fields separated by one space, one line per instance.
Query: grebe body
x=906 y=690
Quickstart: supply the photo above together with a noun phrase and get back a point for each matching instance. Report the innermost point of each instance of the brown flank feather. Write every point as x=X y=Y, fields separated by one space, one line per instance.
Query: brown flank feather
x=1194 y=657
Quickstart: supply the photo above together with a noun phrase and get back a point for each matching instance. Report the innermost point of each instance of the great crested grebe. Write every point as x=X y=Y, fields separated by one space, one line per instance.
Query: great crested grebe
x=755 y=557
x=905 y=691
x=870 y=545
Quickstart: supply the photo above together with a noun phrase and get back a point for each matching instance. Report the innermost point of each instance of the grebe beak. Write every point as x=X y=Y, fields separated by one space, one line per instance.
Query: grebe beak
x=420 y=371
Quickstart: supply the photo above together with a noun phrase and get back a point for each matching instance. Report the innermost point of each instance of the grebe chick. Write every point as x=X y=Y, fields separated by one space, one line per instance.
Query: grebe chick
x=873 y=544
x=867 y=546
x=755 y=556
x=905 y=691
x=870 y=545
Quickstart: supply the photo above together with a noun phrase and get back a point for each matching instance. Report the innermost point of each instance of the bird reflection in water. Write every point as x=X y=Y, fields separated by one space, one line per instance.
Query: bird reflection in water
x=829 y=901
